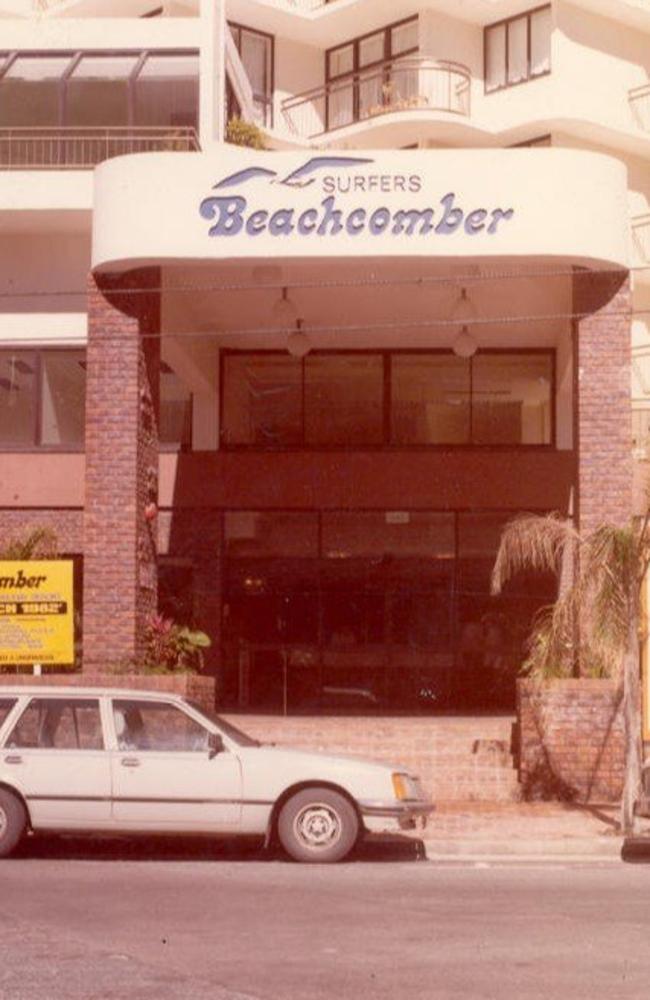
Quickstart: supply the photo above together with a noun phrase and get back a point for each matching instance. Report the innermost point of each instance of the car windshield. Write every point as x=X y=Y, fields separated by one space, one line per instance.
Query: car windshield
x=235 y=734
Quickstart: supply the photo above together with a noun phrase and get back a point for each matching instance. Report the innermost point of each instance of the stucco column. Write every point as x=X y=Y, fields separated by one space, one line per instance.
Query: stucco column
x=120 y=569
x=604 y=413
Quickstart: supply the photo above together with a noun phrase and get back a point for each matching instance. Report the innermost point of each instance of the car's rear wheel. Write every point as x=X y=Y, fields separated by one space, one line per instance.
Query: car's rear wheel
x=13 y=822
x=318 y=825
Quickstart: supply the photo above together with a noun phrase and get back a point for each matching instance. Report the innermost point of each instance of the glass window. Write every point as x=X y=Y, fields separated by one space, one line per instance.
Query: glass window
x=404 y=38
x=518 y=49
x=341 y=60
x=540 y=41
x=256 y=52
x=146 y=725
x=262 y=400
x=6 y=705
x=511 y=399
x=260 y=534
x=430 y=399
x=388 y=533
x=167 y=91
x=18 y=398
x=344 y=399
x=340 y=104
x=30 y=91
x=370 y=92
x=175 y=423
x=371 y=50
x=97 y=92
x=495 y=57
x=59 y=723
x=63 y=398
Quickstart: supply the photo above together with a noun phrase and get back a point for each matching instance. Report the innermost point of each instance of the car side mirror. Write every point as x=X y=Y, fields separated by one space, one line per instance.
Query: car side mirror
x=215 y=745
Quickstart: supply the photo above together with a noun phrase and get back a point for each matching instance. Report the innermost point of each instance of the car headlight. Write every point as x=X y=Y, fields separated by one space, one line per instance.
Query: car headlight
x=406 y=788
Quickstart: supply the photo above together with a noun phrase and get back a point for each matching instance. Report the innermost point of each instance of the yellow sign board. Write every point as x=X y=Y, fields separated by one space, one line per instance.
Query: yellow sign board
x=36 y=611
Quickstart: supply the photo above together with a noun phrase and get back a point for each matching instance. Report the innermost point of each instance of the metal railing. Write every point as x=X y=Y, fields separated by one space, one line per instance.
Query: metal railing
x=55 y=148
x=639 y=100
x=640 y=226
x=414 y=83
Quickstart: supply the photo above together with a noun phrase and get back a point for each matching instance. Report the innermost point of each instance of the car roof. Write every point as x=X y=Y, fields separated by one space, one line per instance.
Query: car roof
x=44 y=690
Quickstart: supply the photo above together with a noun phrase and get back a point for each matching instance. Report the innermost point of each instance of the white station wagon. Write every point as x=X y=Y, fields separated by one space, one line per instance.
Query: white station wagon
x=91 y=759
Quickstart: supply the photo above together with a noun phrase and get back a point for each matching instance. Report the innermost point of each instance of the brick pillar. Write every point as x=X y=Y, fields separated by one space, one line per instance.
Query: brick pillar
x=120 y=571
x=604 y=412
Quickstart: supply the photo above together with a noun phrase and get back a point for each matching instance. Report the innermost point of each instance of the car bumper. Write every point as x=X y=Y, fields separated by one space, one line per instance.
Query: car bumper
x=379 y=817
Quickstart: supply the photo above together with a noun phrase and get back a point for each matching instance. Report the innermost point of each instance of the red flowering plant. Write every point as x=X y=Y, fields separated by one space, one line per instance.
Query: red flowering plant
x=173 y=648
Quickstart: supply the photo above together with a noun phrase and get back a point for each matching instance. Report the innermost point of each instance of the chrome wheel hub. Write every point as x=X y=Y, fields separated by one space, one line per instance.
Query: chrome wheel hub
x=317 y=826
x=3 y=822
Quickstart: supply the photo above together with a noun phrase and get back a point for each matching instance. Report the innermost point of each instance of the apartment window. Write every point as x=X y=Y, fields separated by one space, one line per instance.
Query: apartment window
x=363 y=74
x=387 y=399
x=257 y=54
x=175 y=421
x=517 y=49
x=43 y=400
x=99 y=89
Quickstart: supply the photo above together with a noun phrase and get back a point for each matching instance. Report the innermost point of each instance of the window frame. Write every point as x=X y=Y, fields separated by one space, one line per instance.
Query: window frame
x=268 y=99
x=505 y=22
x=387 y=444
x=116 y=703
x=75 y=57
x=37 y=421
x=354 y=74
x=87 y=700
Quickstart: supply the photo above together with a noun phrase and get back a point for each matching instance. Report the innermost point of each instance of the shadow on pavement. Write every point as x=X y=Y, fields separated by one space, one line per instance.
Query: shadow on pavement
x=388 y=848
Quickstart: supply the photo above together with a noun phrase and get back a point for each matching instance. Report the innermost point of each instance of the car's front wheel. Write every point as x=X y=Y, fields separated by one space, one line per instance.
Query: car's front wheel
x=318 y=825
x=13 y=822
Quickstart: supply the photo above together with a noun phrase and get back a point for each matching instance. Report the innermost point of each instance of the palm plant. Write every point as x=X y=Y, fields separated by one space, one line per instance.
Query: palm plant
x=593 y=627
x=39 y=543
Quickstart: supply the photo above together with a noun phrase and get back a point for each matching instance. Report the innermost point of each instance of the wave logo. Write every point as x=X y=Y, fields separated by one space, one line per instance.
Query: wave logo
x=300 y=178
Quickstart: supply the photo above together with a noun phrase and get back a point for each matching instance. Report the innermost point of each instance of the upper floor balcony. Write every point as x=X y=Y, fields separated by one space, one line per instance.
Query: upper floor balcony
x=413 y=83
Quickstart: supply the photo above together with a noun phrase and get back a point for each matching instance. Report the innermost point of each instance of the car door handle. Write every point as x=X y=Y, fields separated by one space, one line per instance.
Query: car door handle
x=130 y=762
x=13 y=758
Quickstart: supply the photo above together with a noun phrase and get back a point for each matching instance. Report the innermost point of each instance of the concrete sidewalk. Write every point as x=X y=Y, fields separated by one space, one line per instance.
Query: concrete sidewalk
x=511 y=830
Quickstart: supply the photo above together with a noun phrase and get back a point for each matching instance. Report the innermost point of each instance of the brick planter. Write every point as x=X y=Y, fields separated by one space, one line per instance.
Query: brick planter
x=571 y=742
x=200 y=689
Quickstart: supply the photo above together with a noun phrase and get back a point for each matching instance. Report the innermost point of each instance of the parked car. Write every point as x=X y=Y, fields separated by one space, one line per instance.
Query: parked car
x=95 y=760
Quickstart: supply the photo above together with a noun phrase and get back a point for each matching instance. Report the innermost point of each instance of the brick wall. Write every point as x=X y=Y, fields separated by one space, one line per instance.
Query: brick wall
x=66 y=524
x=604 y=420
x=571 y=742
x=120 y=575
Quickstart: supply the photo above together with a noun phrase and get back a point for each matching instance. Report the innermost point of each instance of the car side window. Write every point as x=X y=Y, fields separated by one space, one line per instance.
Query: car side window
x=151 y=725
x=60 y=724
x=6 y=705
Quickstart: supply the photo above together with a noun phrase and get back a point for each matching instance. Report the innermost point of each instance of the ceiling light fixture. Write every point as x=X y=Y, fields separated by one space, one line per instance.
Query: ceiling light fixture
x=463 y=310
x=464 y=344
x=298 y=343
x=284 y=312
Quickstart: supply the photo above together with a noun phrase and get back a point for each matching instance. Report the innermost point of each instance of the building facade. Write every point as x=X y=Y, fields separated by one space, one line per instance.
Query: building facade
x=291 y=395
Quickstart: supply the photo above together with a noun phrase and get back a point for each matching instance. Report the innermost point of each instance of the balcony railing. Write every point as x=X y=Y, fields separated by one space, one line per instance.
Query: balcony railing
x=639 y=98
x=79 y=148
x=640 y=226
x=415 y=83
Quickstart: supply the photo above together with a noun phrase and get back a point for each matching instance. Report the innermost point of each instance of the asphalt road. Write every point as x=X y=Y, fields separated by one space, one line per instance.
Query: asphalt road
x=86 y=921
